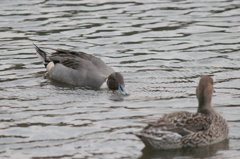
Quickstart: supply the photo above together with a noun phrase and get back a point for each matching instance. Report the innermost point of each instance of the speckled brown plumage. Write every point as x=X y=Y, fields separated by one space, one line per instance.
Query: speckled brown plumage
x=184 y=129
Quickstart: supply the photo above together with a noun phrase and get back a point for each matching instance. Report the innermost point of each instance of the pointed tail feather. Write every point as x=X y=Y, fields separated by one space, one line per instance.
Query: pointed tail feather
x=42 y=55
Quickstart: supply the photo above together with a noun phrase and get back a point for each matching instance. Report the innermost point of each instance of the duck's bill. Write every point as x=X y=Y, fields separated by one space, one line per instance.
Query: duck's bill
x=122 y=90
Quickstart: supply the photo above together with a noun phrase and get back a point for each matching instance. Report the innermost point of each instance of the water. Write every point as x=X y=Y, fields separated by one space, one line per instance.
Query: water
x=161 y=47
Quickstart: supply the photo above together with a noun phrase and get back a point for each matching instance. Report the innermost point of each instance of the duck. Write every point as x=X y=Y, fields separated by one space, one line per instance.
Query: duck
x=80 y=69
x=184 y=129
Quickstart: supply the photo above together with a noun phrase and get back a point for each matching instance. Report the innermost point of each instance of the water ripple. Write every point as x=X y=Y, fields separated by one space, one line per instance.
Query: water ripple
x=161 y=47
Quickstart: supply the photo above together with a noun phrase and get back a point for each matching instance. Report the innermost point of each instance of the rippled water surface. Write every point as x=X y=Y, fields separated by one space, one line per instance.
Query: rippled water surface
x=161 y=47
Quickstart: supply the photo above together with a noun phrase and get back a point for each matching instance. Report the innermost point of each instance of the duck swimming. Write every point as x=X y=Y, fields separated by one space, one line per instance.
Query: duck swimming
x=185 y=129
x=80 y=69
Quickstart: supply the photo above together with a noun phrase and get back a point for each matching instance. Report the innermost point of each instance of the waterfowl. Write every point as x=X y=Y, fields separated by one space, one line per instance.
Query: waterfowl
x=185 y=129
x=80 y=69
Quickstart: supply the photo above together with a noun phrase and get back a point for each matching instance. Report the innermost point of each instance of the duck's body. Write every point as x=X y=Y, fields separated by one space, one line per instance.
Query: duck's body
x=77 y=68
x=184 y=129
x=80 y=69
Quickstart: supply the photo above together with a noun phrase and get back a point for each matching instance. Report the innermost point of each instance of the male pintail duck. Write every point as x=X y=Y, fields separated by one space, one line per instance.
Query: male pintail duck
x=184 y=129
x=80 y=69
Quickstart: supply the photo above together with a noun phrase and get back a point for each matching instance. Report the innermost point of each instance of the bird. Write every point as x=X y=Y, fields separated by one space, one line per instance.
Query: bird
x=80 y=69
x=184 y=129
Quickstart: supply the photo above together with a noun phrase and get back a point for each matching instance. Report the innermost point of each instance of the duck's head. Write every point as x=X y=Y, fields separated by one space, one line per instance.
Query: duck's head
x=115 y=81
x=204 y=91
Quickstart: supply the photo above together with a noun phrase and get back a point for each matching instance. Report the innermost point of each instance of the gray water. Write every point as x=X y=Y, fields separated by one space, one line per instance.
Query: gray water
x=161 y=47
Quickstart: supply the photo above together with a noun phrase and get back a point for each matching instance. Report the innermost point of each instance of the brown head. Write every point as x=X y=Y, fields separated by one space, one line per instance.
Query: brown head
x=115 y=81
x=204 y=93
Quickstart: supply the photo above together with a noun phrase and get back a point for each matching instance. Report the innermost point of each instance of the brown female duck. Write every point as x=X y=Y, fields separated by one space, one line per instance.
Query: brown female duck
x=184 y=129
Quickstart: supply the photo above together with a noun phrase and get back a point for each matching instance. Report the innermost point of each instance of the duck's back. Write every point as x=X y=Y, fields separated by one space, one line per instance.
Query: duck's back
x=165 y=134
x=183 y=129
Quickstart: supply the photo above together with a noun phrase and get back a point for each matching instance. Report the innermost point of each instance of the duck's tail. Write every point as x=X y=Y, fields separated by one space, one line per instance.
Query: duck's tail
x=42 y=55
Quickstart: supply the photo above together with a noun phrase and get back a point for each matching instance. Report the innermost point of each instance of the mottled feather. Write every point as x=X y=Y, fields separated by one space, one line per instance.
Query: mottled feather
x=182 y=129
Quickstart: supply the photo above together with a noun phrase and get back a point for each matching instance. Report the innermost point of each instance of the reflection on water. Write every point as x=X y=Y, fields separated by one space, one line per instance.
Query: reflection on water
x=199 y=152
x=161 y=48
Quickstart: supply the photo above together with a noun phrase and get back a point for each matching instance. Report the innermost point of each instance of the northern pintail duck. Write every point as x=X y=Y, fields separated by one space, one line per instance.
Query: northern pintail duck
x=80 y=69
x=184 y=129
